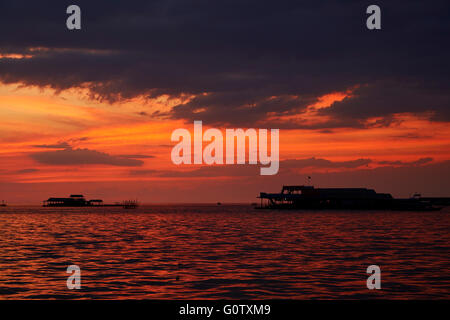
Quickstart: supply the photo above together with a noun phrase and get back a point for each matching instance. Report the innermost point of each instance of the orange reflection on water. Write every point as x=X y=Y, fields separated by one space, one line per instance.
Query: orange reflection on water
x=211 y=252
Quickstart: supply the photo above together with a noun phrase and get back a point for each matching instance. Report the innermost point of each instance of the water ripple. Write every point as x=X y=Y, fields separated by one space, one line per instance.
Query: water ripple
x=227 y=252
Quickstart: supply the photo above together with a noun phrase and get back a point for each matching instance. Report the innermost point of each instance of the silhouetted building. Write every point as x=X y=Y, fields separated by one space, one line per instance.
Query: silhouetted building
x=308 y=197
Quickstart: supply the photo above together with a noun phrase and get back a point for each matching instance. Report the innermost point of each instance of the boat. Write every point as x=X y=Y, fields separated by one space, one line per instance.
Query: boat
x=308 y=197
x=3 y=204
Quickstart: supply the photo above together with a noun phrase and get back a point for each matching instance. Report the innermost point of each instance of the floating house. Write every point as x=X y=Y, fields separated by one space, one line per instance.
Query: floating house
x=308 y=197
x=78 y=200
x=75 y=200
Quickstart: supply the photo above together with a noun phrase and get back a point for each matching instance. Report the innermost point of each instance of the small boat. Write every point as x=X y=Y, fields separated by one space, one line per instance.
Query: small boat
x=3 y=204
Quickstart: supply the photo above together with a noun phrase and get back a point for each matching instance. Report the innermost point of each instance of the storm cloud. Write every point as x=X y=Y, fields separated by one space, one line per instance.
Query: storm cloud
x=252 y=59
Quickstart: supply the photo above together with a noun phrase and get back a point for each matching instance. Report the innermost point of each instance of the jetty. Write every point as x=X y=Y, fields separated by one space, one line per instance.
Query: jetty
x=308 y=197
x=78 y=200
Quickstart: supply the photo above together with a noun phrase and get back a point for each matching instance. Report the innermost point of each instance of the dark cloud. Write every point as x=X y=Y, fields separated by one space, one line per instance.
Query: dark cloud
x=238 y=108
x=387 y=98
x=76 y=140
x=243 y=53
x=418 y=162
x=62 y=144
x=204 y=171
x=413 y=135
x=252 y=170
x=83 y=157
x=135 y=156
x=323 y=163
x=59 y=145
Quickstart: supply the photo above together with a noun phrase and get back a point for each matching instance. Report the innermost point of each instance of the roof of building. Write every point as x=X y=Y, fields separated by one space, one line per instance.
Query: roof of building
x=62 y=199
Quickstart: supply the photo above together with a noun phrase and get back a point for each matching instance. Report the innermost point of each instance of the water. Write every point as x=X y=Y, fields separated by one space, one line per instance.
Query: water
x=222 y=252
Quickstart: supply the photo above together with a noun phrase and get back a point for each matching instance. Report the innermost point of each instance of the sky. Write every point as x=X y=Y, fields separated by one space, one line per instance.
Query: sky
x=92 y=111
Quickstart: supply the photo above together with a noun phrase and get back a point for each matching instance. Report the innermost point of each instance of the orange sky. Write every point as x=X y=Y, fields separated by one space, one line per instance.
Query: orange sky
x=30 y=117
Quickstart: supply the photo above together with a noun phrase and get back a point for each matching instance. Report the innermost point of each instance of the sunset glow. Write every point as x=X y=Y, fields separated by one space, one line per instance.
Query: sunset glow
x=32 y=120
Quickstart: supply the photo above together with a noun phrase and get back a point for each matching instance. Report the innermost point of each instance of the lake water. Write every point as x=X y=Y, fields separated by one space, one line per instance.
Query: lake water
x=222 y=252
